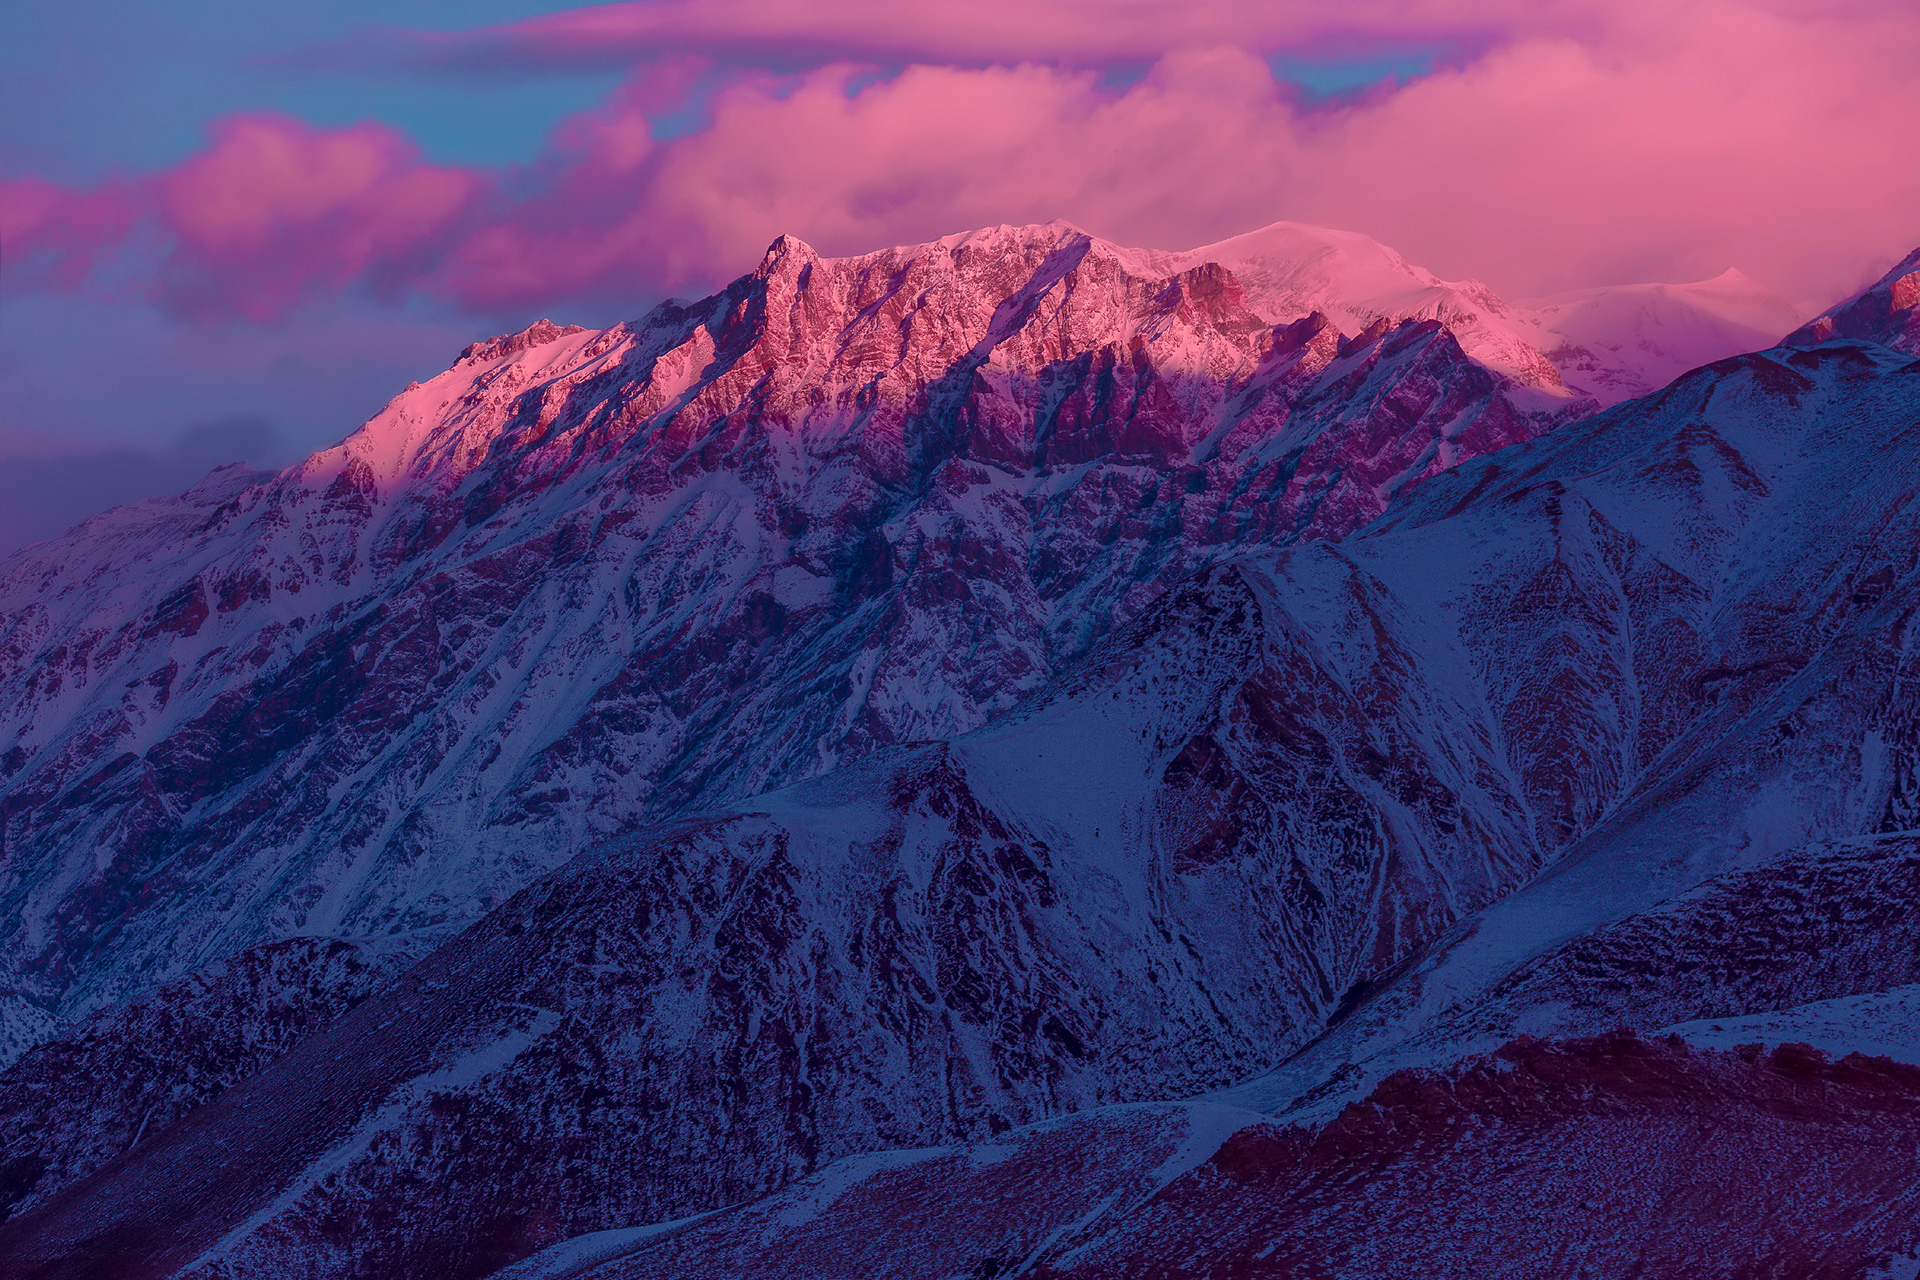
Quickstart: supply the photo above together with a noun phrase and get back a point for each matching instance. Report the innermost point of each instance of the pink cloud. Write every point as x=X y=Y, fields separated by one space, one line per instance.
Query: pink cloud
x=791 y=33
x=1671 y=146
x=54 y=235
x=1593 y=143
x=1693 y=138
x=275 y=211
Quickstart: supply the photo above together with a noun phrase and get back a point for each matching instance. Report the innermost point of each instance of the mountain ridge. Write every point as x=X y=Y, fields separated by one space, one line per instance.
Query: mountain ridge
x=1119 y=427
x=966 y=693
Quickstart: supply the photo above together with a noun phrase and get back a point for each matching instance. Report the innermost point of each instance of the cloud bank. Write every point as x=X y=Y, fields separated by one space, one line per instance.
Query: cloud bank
x=1553 y=146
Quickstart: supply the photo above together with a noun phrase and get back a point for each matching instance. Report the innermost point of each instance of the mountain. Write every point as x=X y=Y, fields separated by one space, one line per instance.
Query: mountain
x=939 y=710
x=1624 y=341
x=1611 y=343
x=1685 y=625
x=1312 y=786
x=586 y=580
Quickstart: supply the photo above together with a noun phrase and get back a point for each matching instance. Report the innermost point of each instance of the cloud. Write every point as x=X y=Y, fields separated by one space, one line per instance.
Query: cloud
x=1719 y=134
x=1582 y=143
x=54 y=236
x=793 y=34
x=271 y=213
x=1727 y=134
x=275 y=211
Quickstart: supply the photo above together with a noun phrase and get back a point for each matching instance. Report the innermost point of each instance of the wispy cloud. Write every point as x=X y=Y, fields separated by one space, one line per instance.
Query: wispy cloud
x=794 y=34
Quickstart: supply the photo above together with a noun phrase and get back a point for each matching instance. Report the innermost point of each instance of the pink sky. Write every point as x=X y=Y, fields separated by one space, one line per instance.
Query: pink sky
x=1552 y=146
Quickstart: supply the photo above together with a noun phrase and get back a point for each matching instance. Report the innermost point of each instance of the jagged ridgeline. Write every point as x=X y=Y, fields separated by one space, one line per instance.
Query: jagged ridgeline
x=586 y=580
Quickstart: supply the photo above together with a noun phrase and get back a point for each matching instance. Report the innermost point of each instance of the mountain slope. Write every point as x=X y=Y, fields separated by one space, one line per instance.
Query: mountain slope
x=151 y=1062
x=1697 y=608
x=929 y=946
x=1298 y=808
x=1612 y=1155
x=1772 y=491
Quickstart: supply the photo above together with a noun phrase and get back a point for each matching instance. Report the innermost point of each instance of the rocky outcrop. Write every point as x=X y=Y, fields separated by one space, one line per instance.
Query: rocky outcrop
x=1887 y=311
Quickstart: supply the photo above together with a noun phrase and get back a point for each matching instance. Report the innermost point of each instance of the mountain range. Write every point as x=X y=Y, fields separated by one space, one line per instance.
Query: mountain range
x=1013 y=755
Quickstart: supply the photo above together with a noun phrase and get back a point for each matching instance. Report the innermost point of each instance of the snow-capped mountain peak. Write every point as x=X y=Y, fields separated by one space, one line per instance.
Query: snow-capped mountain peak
x=1290 y=269
x=1610 y=343
x=1627 y=340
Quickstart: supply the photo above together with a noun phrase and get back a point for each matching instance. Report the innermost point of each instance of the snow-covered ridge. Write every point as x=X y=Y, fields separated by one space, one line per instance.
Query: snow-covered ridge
x=1611 y=343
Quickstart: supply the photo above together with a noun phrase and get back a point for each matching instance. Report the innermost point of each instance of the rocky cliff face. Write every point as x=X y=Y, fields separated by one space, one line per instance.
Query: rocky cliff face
x=1888 y=311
